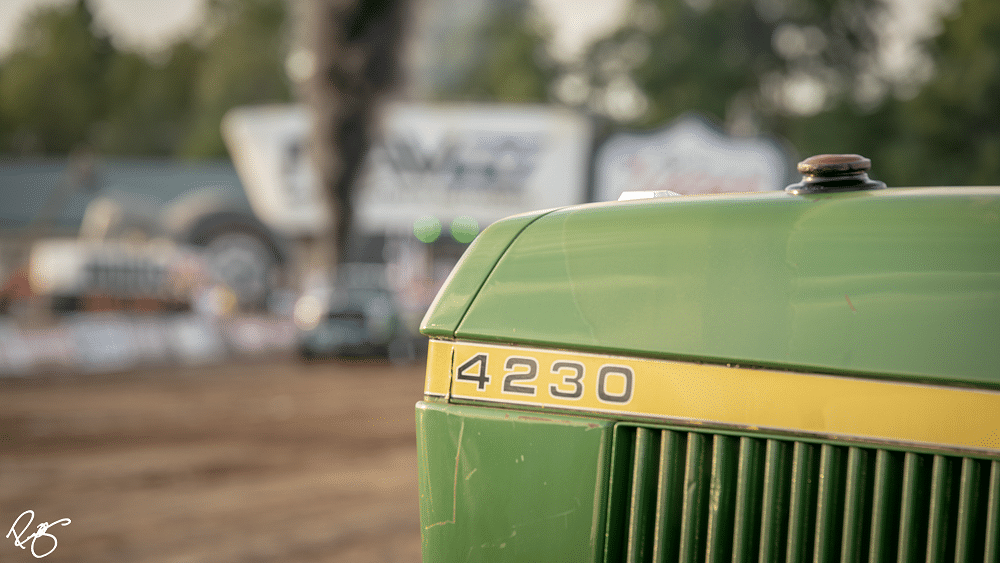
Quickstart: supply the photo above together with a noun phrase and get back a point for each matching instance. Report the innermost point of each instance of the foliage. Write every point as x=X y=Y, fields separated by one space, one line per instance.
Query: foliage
x=509 y=62
x=242 y=63
x=949 y=133
x=66 y=85
x=47 y=94
x=809 y=71
x=804 y=70
x=731 y=59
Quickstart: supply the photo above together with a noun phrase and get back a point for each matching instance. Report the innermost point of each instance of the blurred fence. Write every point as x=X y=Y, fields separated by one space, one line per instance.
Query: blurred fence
x=113 y=342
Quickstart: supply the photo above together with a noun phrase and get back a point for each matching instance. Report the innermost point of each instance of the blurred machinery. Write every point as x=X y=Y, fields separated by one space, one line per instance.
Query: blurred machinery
x=131 y=255
x=147 y=263
x=148 y=236
x=357 y=316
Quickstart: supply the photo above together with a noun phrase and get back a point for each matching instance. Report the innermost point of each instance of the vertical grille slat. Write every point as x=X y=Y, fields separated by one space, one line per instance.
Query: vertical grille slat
x=968 y=508
x=748 y=512
x=696 y=488
x=802 y=503
x=856 y=514
x=719 y=541
x=992 y=543
x=885 y=508
x=774 y=508
x=701 y=497
x=828 y=506
x=911 y=534
x=620 y=493
x=937 y=526
x=642 y=505
x=670 y=496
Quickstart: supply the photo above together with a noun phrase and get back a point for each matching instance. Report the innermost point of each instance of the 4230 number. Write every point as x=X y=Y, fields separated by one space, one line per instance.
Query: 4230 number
x=522 y=372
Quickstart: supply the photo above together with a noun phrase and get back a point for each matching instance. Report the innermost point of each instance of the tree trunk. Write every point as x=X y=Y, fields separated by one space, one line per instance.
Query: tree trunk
x=356 y=45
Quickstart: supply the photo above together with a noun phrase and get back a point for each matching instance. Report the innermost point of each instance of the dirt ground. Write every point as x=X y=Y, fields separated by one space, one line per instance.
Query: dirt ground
x=277 y=461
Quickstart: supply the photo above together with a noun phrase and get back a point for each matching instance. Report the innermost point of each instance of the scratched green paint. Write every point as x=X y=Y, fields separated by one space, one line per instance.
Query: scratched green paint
x=901 y=282
x=497 y=485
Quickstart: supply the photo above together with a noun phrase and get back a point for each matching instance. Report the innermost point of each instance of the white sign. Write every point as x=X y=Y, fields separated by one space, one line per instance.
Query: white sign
x=689 y=157
x=481 y=161
x=269 y=147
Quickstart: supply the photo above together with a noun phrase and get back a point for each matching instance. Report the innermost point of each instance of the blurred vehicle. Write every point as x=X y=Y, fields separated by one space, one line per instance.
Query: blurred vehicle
x=241 y=252
x=804 y=375
x=116 y=274
x=357 y=317
x=144 y=207
x=359 y=322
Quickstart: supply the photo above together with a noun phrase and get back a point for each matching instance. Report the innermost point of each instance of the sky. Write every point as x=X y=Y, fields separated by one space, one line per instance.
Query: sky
x=152 y=24
x=147 y=24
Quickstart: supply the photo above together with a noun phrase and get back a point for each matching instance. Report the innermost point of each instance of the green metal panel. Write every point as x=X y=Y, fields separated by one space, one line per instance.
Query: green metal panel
x=501 y=485
x=898 y=282
x=468 y=275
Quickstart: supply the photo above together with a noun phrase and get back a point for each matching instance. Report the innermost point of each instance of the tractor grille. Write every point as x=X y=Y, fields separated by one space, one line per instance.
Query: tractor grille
x=694 y=496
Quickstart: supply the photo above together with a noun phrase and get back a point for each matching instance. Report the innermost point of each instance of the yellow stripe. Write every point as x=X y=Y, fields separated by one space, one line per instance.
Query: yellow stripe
x=438 y=380
x=688 y=392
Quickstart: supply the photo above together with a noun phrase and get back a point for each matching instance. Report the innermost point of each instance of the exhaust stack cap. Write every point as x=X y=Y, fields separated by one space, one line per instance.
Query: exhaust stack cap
x=829 y=173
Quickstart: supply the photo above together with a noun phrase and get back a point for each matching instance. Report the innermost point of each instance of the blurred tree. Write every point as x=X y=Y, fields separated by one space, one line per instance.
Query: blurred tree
x=242 y=63
x=50 y=87
x=66 y=85
x=949 y=132
x=747 y=63
x=814 y=72
x=152 y=102
x=355 y=45
x=509 y=63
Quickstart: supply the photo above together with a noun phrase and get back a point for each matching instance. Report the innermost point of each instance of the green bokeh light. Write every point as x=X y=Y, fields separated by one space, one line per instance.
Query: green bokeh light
x=427 y=229
x=464 y=229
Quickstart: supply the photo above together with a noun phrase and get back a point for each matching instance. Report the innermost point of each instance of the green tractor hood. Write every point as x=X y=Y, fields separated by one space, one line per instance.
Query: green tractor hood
x=896 y=283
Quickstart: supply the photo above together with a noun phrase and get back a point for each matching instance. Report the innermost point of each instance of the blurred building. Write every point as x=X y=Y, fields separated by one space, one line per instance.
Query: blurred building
x=440 y=173
x=435 y=176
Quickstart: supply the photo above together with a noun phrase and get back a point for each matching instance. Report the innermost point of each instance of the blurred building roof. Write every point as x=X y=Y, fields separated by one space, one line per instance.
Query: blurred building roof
x=26 y=186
